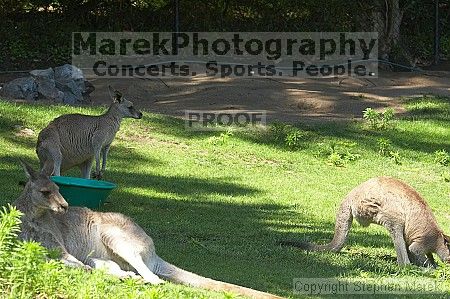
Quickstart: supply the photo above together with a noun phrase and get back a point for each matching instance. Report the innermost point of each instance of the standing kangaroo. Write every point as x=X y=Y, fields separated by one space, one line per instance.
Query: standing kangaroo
x=76 y=139
x=110 y=241
x=401 y=210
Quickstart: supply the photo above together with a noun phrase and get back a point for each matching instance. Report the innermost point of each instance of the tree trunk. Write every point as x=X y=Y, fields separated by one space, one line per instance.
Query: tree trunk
x=387 y=22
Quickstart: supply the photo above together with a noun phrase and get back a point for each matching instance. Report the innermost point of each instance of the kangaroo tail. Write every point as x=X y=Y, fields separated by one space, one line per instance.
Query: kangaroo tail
x=45 y=158
x=344 y=220
x=180 y=276
x=43 y=154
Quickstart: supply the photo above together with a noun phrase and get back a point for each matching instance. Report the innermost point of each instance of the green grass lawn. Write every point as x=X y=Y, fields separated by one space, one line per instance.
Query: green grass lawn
x=217 y=204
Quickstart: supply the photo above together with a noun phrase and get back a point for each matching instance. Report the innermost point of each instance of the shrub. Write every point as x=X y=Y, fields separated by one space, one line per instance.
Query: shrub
x=445 y=175
x=289 y=135
x=395 y=157
x=384 y=146
x=277 y=131
x=441 y=157
x=378 y=120
x=294 y=138
x=222 y=138
x=339 y=153
x=21 y=263
x=9 y=228
x=336 y=159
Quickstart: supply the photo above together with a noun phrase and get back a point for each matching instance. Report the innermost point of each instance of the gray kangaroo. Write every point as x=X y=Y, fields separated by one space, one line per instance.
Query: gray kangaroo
x=110 y=241
x=76 y=139
x=401 y=210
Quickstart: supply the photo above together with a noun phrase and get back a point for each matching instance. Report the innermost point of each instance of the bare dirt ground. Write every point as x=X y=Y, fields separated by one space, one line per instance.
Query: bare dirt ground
x=284 y=99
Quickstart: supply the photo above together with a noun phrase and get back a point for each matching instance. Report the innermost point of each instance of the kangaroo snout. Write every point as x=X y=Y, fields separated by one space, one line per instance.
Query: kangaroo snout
x=138 y=115
x=60 y=209
x=60 y=205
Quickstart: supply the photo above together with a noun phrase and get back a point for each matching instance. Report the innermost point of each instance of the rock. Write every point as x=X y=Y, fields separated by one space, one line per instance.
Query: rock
x=48 y=74
x=64 y=83
x=68 y=72
x=47 y=88
x=45 y=80
x=70 y=80
x=72 y=92
x=21 y=88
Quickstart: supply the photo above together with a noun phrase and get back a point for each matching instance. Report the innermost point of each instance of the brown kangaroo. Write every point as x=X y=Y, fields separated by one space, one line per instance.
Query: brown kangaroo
x=100 y=240
x=401 y=210
x=77 y=140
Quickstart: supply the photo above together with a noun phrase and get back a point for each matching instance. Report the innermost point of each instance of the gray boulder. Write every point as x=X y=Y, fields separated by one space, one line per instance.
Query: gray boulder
x=68 y=72
x=72 y=92
x=64 y=84
x=21 y=88
x=48 y=74
x=45 y=80
x=70 y=80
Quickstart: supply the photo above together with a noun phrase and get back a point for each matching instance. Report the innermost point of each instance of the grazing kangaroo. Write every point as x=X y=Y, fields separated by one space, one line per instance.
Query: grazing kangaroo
x=76 y=139
x=110 y=241
x=401 y=210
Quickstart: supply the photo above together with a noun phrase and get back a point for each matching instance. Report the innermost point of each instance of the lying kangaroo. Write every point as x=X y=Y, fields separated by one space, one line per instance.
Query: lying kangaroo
x=401 y=210
x=76 y=140
x=100 y=240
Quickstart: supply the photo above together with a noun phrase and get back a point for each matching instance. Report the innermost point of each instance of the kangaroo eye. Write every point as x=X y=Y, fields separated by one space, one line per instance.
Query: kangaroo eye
x=46 y=192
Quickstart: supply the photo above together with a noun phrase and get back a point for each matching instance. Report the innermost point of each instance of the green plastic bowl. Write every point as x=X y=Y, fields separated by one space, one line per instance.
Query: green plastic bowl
x=83 y=192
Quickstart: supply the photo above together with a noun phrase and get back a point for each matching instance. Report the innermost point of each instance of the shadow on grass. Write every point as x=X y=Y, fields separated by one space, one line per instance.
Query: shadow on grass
x=174 y=126
x=181 y=185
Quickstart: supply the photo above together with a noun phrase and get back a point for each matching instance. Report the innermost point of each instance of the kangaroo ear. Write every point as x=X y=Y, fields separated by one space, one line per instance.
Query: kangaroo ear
x=48 y=168
x=115 y=94
x=30 y=173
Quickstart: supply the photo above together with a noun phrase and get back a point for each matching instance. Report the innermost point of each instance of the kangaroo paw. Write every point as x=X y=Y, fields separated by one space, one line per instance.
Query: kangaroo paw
x=97 y=175
x=155 y=282
x=131 y=274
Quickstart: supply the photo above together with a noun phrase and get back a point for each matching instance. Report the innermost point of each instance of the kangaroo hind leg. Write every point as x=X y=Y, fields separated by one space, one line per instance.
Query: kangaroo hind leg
x=110 y=267
x=418 y=257
x=130 y=250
